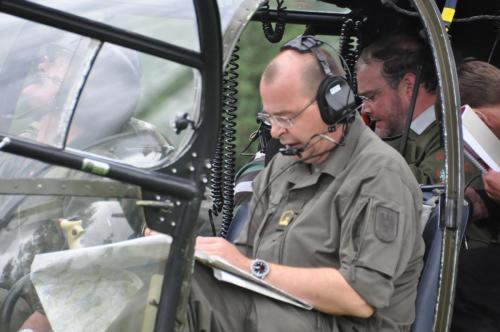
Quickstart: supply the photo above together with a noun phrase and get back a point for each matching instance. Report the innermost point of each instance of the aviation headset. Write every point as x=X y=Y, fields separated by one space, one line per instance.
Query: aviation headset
x=335 y=97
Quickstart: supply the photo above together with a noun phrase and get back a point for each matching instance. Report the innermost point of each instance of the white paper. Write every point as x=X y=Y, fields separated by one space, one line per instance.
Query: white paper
x=106 y=288
x=227 y=272
x=259 y=288
x=480 y=138
x=88 y=289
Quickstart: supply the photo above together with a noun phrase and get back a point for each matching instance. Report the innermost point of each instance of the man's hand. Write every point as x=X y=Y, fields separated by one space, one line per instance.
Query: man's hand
x=220 y=247
x=148 y=232
x=217 y=246
x=324 y=288
x=37 y=322
x=479 y=210
x=491 y=182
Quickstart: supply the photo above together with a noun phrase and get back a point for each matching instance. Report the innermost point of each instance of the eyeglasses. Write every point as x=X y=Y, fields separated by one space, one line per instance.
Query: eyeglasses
x=281 y=120
x=372 y=96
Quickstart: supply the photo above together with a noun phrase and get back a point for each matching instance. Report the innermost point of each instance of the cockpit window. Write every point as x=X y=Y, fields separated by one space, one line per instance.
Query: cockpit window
x=71 y=91
x=171 y=21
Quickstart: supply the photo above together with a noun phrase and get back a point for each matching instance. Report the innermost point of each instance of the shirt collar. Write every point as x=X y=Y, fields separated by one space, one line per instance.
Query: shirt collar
x=337 y=160
x=423 y=121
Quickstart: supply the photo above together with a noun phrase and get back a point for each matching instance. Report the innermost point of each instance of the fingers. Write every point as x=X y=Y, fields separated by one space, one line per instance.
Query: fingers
x=149 y=232
x=491 y=182
x=222 y=248
x=479 y=209
x=211 y=243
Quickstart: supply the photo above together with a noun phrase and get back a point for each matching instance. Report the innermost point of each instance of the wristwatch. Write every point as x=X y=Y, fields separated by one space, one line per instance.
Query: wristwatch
x=259 y=268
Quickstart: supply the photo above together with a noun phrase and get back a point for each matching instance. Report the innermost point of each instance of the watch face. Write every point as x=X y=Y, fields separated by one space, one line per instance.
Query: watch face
x=259 y=268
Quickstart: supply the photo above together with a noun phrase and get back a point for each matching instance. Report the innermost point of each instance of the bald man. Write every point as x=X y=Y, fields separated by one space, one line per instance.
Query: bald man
x=333 y=221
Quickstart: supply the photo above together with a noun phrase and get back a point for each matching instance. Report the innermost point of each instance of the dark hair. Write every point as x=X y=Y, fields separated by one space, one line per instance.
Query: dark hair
x=479 y=83
x=402 y=54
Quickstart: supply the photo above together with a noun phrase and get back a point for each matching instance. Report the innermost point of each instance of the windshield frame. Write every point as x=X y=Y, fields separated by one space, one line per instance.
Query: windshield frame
x=186 y=183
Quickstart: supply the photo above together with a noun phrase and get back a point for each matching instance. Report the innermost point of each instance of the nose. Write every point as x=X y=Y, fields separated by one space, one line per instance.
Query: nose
x=277 y=130
x=365 y=108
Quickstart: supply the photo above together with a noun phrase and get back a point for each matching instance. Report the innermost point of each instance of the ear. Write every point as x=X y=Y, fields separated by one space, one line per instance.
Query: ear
x=406 y=84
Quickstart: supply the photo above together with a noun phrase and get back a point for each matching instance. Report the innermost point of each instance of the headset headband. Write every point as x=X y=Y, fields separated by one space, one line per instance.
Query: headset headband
x=334 y=96
x=309 y=44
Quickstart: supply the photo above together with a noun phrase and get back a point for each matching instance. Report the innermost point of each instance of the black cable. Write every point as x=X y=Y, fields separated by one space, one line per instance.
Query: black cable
x=230 y=92
x=350 y=46
x=391 y=4
x=477 y=18
x=216 y=182
x=274 y=35
x=7 y=307
x=211 y=220
x=411 y=109
x=494 y=46
x=223 y=162
x=254 y=136
x=471 y=180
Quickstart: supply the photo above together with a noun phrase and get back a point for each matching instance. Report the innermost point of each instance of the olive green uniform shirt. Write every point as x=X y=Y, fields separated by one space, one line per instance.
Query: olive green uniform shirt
x=425 y=156
x=424 y=151
x=357 y=212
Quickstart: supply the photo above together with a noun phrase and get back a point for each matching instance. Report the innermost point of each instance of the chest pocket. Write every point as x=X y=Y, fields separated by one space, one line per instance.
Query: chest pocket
x=283 y=211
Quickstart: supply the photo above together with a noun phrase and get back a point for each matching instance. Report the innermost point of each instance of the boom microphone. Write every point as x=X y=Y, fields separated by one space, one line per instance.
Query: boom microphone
x=291 y=151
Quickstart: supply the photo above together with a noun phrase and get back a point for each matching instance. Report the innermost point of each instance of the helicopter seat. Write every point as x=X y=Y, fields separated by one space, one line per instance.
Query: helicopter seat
x=239 y=219
x=427 y=289
x=242 y=195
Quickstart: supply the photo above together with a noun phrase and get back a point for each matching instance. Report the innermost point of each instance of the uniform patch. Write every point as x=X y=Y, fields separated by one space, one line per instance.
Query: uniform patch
x=386 y=224
x=286 y=217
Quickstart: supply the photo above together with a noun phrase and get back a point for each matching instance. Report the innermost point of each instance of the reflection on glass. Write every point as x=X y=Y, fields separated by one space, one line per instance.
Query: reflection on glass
x=171 y=21
x=42 y=223
x=128 y=107
x=63 y=89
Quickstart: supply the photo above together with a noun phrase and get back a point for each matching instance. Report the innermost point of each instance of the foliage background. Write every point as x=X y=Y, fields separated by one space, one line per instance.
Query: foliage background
x=255 y=52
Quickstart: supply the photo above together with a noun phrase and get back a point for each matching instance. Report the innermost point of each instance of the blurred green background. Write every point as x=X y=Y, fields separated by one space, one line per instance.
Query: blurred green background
x=255 y=52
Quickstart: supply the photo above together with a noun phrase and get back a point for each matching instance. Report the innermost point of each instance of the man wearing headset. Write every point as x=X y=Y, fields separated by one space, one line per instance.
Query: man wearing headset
x=333 y=221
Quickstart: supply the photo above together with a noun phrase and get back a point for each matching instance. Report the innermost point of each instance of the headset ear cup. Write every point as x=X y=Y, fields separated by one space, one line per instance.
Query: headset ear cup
x=326 y=112
x=335 y=99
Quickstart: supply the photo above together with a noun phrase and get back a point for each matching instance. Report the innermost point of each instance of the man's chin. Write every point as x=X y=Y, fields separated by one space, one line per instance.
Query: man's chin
x=380 y=131
x=312 y=158
x=383 y=134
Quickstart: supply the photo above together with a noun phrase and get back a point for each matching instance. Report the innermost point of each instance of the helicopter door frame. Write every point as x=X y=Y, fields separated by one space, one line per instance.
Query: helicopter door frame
x=454 y=174
x=209 y=62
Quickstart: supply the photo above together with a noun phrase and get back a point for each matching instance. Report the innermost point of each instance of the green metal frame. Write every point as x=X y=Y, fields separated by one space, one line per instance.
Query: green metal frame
x=452 y=133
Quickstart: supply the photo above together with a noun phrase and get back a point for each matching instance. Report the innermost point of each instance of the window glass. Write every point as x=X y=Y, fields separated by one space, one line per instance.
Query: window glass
x=63 y=89
x=172 y=21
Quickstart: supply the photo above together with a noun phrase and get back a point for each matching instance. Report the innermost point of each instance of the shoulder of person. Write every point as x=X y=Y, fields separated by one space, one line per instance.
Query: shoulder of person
x=376 y=154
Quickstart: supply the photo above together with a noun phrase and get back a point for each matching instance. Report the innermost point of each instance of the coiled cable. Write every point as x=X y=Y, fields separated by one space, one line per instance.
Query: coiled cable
x=274 y=35
x=230 y=92
x=350 y=46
